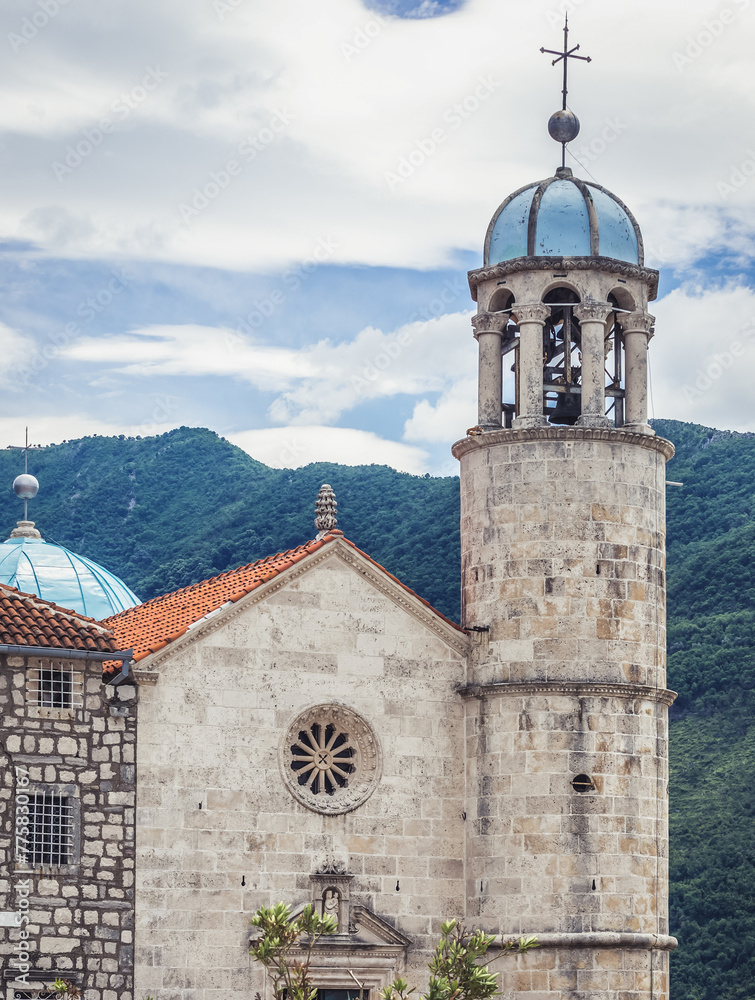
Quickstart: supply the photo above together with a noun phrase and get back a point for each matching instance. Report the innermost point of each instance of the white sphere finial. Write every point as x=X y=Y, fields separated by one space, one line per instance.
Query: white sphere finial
x=25 y=486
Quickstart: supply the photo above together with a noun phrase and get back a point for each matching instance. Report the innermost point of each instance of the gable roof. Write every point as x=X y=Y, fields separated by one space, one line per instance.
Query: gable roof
x=151 y=626
x=26 y=620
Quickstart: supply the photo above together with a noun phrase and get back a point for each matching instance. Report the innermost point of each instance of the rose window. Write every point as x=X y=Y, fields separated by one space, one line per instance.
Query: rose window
x=322 y=758
x=330 y=759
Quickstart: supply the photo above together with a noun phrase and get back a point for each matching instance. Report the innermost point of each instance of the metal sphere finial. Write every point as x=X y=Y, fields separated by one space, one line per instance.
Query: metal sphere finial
x=25 y=486
x=563 y=126
x=325 y=510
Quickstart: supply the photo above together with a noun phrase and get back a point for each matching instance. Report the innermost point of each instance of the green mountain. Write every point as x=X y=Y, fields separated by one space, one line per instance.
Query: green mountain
x=167 y=511
x=711 y=645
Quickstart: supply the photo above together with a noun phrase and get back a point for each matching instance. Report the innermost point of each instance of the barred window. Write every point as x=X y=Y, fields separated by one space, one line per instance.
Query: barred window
x=55 y=687
x=32 y=994
x=49 y=841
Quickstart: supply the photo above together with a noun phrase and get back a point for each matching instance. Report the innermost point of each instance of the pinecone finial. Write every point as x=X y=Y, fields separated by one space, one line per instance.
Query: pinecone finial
x=325 y=510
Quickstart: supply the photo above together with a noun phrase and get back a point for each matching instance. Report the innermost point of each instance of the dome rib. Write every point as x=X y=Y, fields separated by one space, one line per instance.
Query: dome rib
x=534 y=212
x=77 y=577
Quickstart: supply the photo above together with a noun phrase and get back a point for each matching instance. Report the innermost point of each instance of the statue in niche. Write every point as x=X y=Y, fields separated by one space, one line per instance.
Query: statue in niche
x=331 y=906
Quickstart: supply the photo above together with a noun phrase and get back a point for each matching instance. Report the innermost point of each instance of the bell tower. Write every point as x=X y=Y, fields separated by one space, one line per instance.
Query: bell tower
x=563 y=587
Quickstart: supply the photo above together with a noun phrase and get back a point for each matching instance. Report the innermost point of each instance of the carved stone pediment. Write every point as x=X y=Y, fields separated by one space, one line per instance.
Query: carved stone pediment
x=370 y=954
x=369 y=928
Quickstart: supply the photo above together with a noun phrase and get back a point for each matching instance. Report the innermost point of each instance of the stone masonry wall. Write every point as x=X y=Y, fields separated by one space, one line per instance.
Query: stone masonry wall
x=80 y=915
x=220 y=834
x=546 y=857
x=563 y=555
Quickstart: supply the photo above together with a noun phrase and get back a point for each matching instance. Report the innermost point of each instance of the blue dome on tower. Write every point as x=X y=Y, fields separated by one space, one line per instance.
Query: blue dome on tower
x=53 y=573
x=563 y=217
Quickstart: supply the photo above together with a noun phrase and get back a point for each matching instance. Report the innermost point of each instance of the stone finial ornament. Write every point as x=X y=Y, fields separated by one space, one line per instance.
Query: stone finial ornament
x=25 y=529
x=325 y=510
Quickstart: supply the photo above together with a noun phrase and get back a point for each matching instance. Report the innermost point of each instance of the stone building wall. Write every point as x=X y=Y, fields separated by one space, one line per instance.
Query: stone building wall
x=219 y=831
x=80 y=914
x=563 y=554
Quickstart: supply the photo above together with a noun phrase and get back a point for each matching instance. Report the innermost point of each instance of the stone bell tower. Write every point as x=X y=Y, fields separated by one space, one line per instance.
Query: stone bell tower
x=563 y=582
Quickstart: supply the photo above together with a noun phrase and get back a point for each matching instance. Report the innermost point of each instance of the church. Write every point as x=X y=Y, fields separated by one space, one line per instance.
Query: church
x=312 y=731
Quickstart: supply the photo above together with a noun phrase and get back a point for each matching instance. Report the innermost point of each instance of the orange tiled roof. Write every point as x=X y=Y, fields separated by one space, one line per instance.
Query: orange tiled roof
x=26 y=620
x=151 y=626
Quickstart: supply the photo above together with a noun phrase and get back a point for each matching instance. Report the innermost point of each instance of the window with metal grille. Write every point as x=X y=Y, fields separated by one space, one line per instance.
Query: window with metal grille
x=49 y=841
x=56 y=686
x=35 y=994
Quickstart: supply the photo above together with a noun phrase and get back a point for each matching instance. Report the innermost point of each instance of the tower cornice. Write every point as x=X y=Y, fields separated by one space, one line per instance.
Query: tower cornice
x=604 y=264
x=484 y=439
x=613 y=940
x=582 y=689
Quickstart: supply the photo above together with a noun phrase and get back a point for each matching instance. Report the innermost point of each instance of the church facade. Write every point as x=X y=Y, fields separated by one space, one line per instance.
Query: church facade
x=303 y=744
x=312 y=731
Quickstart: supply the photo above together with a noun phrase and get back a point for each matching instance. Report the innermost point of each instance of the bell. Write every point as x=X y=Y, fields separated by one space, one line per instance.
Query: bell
x=568 y=407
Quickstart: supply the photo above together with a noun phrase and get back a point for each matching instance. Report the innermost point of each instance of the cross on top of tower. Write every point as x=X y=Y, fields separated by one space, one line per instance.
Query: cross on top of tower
x=563 y=126
x=24 y=448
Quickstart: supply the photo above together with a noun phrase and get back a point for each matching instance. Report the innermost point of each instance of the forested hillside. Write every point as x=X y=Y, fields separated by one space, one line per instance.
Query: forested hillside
x=163 y=512
x=711 y=644
x=166 y=511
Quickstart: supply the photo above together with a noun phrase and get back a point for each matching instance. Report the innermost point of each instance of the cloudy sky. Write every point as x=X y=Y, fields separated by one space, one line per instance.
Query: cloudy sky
x=258 y=217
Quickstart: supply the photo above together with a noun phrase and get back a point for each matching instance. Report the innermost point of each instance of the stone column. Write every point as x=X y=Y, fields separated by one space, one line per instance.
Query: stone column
x=592 y=317
x=531 y=318
x=637 y=330
x=488 y=331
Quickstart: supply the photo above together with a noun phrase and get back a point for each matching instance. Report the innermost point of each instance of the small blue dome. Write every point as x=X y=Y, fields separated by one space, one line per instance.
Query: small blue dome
x=55 y=574
x=563 y=217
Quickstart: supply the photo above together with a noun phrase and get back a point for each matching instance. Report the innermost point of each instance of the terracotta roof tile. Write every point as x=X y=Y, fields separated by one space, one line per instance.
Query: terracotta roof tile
x=26 y=620
x=151 y=626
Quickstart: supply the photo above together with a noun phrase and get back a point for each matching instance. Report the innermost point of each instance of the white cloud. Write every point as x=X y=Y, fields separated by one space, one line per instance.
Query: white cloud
x=15 y=350
x=364 y=94
x=448 y=420
x=329 y=99
x=703 y=355
x=292 y=447
x=315 y=384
